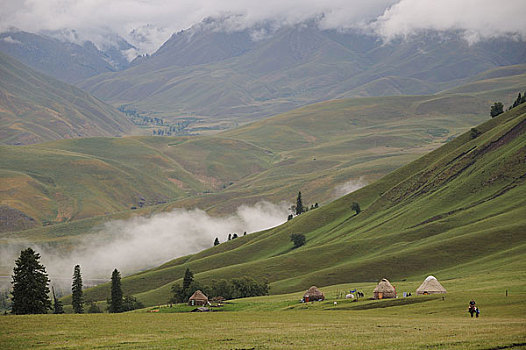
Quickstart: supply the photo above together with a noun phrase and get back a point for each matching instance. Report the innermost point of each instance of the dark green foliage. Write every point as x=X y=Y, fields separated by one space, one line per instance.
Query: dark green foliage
x=177 y=294
x=76 y=291
x=290 y=217
x=298 y=239
x=187 y=279
x=216 y=242
x=356 y=207
x=94 y=308
x=131 y=303
x=115 y=303
x=496 y=109
x=229 y=236
x=299 y=204
x=236 y=288
x=57 y=304
x=245 y=287
x=474 y=133
x=234 y=236
x=30 y=293
x=520 y=99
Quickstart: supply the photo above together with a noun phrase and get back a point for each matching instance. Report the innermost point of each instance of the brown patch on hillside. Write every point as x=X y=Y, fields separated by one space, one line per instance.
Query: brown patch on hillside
x=12 y=219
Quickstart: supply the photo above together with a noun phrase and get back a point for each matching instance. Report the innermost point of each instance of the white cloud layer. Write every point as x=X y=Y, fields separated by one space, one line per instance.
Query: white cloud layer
x=147 y=24
x=135 y=244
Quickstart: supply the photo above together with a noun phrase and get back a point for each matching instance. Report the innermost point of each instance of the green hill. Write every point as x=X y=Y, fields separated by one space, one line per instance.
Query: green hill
x=316 y=149
x=35 y=108
x=457 y=211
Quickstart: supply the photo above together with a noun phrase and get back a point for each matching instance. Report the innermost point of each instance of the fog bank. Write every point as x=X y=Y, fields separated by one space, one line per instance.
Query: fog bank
x=142 y=242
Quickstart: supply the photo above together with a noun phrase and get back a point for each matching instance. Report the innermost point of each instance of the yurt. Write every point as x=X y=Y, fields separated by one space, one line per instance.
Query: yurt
x=384 y=290
x=313 y=294
x=198 y=298
x=430 y=286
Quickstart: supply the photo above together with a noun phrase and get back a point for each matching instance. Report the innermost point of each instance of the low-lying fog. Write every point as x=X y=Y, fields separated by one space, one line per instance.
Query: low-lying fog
x=142 y=242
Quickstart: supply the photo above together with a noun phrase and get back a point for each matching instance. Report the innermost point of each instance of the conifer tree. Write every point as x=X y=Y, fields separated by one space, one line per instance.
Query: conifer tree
x=216 y=242
x=299 y=204
x=187 y=279
x=496 y=109
x=57 y=304
x=76 y=291
x=30 y=293
x=115 y=303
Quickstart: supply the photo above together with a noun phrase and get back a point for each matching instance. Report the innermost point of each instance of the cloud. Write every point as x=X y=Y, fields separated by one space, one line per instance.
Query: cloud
x=148 y=24
x=477 y=19
x=349 y=186
x=139 y=243
x=10 y=40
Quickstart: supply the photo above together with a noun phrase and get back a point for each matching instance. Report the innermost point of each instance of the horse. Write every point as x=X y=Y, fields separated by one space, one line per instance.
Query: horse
x=473 y=310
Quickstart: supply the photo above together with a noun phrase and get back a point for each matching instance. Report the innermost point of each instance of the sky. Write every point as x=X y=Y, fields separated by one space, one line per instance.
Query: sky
x=149 y=23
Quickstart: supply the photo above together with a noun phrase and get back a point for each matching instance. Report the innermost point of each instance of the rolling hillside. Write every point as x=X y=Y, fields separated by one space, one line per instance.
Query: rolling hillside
x=316 y=149
x=457 y=211
x=219 y=76
x=35 y=108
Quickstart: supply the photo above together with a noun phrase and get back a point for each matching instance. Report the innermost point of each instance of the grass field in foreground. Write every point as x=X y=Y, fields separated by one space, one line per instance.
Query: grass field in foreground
x=281 y=322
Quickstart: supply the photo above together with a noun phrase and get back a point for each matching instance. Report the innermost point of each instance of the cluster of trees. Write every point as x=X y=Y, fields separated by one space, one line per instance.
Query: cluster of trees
x=231 y=236
x=300 y=208
x=229 y=289
x=30 y=294
x=498 y=107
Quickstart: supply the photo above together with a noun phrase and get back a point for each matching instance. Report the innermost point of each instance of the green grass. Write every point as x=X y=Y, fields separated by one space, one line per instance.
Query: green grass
x=281 y=322
x=458 y=209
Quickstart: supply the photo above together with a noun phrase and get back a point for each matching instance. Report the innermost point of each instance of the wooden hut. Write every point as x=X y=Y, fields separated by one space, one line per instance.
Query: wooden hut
x=384 y=290
x=313 y=294
x=430 y=286
x=198 y=298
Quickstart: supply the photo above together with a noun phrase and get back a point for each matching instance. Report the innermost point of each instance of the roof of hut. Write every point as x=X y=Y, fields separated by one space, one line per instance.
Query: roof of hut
x=314 y=292
x=430 y=285
x=198 y=295
x=384 y=286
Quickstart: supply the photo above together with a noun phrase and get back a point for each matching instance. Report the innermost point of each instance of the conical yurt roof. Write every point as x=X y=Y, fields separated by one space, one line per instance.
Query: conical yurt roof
x=313 y=292
x=384 y=286
x=430 y=285
x=198 y=295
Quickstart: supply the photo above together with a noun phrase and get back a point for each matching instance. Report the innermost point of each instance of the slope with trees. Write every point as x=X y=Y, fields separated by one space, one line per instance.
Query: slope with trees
x=423 y=217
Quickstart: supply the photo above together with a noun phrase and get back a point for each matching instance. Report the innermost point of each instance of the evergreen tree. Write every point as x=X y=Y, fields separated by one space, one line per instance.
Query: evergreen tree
x=57 y=304
x=298 y=239
x=229 y=236
x=299 y=204
x=187 y=279
x=76 y=291
x=115 y=301
x=234 y=236
x=216 y=242
x=356 y=207
x=30 y=293
x=496 y=109
x=93 y=308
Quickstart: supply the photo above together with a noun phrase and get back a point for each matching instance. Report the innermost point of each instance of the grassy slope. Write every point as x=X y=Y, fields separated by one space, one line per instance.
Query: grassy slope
x=36 y=108
x=281 y=322
x=459 y=209
x=313 y=149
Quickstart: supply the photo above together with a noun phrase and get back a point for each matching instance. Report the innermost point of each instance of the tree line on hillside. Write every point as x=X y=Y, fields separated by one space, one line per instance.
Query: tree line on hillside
x=31 y=295
x=498 y=108
x=241 y=287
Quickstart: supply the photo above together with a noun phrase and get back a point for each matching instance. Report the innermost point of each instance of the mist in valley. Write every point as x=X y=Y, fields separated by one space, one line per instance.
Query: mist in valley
x=143 y=242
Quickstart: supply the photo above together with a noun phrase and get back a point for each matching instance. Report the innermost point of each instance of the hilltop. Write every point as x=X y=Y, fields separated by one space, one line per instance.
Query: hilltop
x=218 y=76
x=35 y=108
x=457 y=211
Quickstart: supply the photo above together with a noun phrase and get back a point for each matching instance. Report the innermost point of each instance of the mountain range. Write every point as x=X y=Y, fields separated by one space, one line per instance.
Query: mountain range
x=224 y=75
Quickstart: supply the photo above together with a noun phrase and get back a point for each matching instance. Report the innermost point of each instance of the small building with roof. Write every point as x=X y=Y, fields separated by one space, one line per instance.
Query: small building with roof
x=430 y=286
x=198 y=298
x=313 y=294
x=384 y=290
